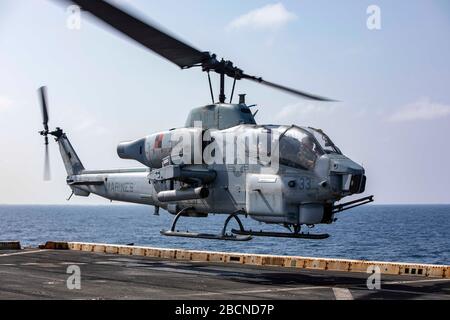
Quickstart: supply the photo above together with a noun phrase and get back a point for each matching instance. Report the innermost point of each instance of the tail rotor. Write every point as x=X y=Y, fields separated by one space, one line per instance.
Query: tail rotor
x=44 y=108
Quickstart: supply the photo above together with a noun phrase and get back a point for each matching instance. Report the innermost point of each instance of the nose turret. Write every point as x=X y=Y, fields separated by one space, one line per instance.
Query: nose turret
x=346 y=176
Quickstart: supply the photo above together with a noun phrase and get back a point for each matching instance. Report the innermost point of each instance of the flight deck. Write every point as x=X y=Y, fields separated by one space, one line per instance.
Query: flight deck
x=128 y=272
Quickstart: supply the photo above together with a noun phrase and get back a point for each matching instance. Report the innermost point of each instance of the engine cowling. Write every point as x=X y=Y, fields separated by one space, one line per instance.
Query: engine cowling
x=134 y=150
x=155 y=148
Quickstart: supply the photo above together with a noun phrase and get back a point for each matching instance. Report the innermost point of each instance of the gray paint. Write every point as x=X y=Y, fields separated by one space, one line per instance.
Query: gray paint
x=290 y=196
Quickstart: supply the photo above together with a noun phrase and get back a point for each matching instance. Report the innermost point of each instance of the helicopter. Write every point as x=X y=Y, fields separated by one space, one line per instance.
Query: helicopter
x=221 y=161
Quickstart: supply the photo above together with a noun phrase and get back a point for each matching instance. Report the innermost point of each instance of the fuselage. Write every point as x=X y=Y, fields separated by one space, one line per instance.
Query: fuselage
x=298 y=190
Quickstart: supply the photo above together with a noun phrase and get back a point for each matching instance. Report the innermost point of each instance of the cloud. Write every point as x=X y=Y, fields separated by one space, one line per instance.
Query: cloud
x=271 y=16
x=5 y=103
x=423 y=109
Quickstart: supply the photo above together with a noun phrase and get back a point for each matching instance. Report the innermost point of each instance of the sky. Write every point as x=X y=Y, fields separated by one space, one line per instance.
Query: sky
x=392 y=83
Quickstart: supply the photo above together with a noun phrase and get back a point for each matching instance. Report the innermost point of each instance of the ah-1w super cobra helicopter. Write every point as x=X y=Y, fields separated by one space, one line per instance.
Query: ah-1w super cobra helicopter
x=310 y=177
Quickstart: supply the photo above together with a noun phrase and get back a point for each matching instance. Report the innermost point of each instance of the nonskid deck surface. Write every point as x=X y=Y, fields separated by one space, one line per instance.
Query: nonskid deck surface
x=42 y=274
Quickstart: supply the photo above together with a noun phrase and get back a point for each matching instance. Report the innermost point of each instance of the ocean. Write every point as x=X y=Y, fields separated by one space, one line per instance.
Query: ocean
x=401 y=233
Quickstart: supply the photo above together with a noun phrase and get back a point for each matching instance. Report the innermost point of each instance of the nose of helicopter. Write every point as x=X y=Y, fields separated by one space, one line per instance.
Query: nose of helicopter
x=342 y=164
x=346 y=176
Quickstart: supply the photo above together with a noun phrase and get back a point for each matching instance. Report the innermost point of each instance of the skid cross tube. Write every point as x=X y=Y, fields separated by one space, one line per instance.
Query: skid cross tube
x=235 y=216
x=178 y=217
x=221 y=236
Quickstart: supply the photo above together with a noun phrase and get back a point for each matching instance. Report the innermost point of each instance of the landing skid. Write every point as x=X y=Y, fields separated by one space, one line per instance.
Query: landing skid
x=281 y=234
x=222 y=236
x=228 y=237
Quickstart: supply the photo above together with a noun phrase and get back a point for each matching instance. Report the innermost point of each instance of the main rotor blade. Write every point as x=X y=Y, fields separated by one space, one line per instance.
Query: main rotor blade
x=47 y=175
x=43 y=96
x=286 y=89
x=169 y=47
x=144 y=33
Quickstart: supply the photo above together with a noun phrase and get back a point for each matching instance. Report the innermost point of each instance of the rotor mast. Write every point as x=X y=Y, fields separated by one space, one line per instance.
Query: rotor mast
x=222 y=88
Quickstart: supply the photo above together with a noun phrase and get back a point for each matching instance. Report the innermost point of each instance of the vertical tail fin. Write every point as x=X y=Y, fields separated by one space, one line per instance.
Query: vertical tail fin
x=70 y=158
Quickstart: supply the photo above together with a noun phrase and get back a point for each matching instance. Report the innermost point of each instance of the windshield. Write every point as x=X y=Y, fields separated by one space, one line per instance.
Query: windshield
x=299 y=149
x=325 y=142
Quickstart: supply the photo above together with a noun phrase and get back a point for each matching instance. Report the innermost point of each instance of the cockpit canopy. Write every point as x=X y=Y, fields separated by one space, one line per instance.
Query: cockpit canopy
x=325 y=142
x=301 y=147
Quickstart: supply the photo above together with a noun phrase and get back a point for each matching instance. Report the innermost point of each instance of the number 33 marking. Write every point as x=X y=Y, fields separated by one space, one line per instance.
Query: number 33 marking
x=305 y=183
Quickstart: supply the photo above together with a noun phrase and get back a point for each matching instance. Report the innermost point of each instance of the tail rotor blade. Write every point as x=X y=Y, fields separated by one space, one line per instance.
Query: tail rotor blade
x=47 y=175
x=43 y=96
x=44 y=108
